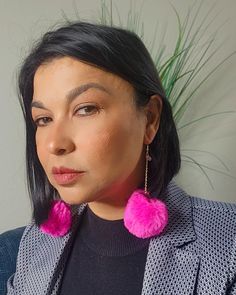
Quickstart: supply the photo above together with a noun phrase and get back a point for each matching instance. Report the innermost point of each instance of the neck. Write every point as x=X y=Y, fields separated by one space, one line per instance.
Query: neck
x=112 y=206
x=107 y=211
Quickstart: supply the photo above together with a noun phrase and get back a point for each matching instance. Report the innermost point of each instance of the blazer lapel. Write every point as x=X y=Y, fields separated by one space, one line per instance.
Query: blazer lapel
x=64 y=252
x=172 y=266
x=46 y=269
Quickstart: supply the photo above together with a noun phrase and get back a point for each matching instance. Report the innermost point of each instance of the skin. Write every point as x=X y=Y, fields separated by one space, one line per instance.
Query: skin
x=101 y=132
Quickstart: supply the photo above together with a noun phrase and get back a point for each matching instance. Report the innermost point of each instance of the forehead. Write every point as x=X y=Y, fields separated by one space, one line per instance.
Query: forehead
x=63 y=74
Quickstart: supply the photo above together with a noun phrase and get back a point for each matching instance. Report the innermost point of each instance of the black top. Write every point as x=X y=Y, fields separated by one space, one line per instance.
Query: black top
x=105 y=259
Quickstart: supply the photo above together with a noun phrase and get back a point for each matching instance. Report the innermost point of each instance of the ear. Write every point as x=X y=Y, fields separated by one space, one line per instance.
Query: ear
x=153 y=114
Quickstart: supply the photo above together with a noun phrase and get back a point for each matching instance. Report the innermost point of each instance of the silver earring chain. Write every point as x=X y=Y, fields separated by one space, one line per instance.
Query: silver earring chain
x=148 y=158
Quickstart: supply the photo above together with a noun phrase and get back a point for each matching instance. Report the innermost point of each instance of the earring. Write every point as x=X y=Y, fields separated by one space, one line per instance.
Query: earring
x=59 y=219
x=144 y=216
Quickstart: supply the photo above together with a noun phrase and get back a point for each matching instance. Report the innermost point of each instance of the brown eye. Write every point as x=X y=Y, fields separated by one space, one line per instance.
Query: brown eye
x=87 y=110
x=41 y=122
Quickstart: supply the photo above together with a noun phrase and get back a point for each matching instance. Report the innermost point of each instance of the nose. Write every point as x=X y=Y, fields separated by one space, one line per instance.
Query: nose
x=60 y=142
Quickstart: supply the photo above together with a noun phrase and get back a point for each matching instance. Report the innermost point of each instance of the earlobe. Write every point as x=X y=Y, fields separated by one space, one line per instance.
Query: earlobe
x=153 y=113
x=150 y=134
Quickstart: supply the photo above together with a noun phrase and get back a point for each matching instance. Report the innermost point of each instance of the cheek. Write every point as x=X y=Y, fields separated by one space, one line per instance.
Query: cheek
x=113 y=147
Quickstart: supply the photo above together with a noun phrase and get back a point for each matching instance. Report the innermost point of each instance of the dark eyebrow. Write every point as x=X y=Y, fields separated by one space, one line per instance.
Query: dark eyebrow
x=72 y=94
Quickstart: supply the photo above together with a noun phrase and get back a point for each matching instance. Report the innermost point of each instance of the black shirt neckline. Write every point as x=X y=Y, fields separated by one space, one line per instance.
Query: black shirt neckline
x=109 y=237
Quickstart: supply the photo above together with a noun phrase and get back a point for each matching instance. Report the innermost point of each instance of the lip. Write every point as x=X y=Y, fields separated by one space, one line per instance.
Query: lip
x=62 y=169
x=64 y=175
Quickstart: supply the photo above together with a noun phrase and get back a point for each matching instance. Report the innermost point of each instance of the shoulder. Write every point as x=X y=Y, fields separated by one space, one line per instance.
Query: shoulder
x=215 y=215
x=13 y=233
x=212 y=223
x=9 y=242
x=203 y=213
x=213 y=206
x=9 y=245
x=215 y=226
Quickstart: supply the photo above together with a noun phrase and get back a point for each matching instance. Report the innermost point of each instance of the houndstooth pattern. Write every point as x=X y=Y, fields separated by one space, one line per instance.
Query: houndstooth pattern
x=196 y=254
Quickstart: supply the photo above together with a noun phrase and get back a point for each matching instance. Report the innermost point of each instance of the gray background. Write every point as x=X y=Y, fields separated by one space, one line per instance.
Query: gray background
x=22 y=22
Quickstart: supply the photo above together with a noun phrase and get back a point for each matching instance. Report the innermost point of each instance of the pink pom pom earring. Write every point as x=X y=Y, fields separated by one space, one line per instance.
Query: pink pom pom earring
x=145 y=217
x=59 y=219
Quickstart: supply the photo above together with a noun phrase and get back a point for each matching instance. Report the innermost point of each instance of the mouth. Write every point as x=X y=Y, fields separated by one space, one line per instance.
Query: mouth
x=65 y=176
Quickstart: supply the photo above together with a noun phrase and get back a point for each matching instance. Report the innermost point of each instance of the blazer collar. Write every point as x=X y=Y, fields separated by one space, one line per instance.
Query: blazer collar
x=172 y=266
x=180 y=228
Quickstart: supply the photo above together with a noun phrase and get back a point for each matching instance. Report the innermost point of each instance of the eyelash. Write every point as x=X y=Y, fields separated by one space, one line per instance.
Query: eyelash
x=37 y=121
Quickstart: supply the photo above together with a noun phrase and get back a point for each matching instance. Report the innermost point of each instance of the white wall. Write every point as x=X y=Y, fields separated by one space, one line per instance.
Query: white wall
x=23 y=21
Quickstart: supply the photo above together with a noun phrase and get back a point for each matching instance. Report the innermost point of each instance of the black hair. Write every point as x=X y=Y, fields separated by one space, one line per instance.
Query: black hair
x=115 y=50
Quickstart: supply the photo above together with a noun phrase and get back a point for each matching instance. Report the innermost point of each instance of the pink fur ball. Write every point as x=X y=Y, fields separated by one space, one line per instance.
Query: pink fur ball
x=145 y=217
x=59 y=220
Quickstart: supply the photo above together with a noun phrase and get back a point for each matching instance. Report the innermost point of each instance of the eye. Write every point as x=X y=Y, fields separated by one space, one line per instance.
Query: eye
x=41 y=122
x=87 y=110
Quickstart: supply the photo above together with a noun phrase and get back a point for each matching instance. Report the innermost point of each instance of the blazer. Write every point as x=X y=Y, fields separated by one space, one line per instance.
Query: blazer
x=9 y=244
x=196 y=253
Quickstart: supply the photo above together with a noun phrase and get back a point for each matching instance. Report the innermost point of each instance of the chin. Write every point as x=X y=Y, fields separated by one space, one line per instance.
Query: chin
x=74 y=198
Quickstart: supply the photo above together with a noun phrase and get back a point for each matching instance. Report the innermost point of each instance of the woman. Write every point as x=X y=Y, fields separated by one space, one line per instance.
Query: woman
x=102 y=149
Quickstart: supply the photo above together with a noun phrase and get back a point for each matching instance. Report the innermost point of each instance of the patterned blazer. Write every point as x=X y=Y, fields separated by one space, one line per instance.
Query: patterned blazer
x=196 y=254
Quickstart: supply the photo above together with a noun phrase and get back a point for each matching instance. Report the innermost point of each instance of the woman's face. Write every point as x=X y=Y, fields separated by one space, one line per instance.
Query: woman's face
x=87 y=121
